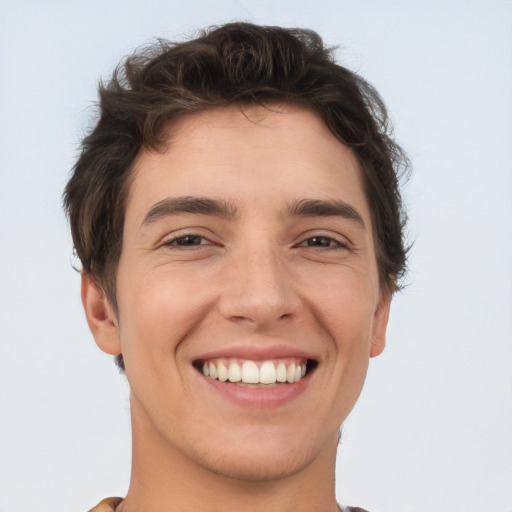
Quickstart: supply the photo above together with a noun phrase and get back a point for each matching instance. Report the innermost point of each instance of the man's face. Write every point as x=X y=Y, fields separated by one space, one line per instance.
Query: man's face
x=247 y=249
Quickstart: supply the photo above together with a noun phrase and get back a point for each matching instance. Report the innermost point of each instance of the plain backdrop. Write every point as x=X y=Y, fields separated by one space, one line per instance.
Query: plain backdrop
x=433 y=427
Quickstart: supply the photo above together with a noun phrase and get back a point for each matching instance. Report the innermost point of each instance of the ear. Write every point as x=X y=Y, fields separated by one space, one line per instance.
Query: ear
x=380 y=324
x=100 y=316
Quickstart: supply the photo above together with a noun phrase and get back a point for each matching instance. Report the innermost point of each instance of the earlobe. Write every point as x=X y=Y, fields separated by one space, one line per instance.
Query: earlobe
x=100 y=316
x=380 y=324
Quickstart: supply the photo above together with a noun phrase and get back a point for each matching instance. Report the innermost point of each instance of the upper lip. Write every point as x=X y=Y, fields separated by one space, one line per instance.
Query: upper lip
x=256 y=353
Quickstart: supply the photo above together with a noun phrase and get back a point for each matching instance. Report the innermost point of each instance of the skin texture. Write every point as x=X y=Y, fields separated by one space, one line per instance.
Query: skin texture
x=255 y=279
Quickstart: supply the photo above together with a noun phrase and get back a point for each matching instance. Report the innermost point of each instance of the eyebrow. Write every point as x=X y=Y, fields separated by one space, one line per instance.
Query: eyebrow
x=221 y=208
x=324 y=208
x=194 y=205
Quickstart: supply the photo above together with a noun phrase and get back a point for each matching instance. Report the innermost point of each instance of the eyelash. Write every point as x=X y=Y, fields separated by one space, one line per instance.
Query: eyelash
x=173 y=242
x=336 y=244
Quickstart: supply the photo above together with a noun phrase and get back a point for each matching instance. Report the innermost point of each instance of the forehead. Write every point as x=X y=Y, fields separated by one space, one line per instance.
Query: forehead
x=248 y=155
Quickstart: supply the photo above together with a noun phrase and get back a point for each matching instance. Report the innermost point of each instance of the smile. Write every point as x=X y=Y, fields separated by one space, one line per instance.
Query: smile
x=256 y=373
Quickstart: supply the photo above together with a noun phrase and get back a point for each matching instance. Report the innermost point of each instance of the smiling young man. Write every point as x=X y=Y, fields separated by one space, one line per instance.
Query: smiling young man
x=237 y=215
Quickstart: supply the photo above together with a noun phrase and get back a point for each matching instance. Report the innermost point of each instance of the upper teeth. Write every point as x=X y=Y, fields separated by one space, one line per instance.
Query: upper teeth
x=253 y=372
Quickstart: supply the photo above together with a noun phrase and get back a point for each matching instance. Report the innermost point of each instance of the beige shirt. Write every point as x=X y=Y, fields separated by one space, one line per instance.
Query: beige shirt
x=110 y=504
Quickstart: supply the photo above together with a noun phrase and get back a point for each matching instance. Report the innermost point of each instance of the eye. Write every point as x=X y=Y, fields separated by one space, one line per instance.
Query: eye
x=323 y=242
x=187 y=241
x=319 y=241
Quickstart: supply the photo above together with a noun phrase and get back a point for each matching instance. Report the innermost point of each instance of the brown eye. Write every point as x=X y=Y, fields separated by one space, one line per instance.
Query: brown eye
x=187 y=241
x=324 y=242
x=320 y=241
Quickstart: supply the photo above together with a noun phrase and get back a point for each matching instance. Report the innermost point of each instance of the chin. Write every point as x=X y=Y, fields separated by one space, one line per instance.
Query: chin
x=264 y=456
x=261 y=469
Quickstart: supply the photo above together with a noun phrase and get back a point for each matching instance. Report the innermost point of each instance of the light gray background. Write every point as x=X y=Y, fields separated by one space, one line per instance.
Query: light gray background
x=433 y=428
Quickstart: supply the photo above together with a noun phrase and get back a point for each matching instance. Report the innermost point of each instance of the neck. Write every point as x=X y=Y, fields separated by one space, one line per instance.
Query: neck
x=166 y=480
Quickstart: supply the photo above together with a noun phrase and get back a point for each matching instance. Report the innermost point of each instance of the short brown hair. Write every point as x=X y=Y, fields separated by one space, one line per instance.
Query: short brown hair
x=233 y=63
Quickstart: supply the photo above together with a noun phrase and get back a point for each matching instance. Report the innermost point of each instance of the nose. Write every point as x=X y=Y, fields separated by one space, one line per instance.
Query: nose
x=258 y=290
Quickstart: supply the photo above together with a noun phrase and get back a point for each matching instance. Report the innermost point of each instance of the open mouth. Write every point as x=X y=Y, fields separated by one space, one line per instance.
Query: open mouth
x=249 y=373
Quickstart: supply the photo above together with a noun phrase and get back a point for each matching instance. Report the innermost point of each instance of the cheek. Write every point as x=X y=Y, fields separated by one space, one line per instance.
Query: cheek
x=157 y=312
x=347 y=317
x=344 y=307
x=158 y=309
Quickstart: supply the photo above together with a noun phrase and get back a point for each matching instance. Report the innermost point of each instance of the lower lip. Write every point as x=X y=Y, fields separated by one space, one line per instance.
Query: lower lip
x=257 y=397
